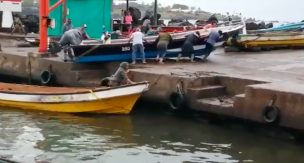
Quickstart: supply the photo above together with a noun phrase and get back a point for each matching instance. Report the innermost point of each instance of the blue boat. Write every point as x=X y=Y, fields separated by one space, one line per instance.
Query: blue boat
x=121 y=50
x=282 y=28
x=199 y=50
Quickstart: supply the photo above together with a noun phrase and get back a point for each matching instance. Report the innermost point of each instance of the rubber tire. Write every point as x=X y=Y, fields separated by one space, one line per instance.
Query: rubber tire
x=46 y=77
x=177 y=101
x=267 y=109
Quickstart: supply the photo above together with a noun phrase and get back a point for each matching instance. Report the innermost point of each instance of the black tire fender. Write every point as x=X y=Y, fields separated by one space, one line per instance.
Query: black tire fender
x=47 y=77
x=177 y=101
x=276 y=114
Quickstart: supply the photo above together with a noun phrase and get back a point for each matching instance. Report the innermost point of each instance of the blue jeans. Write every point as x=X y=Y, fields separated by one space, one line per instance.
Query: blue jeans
x=138 y=48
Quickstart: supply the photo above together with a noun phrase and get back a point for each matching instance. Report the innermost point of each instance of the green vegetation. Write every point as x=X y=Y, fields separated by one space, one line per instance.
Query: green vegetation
x=167 y=13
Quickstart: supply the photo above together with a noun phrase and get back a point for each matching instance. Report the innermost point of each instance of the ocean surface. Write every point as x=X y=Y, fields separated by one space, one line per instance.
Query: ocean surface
x=144 y=136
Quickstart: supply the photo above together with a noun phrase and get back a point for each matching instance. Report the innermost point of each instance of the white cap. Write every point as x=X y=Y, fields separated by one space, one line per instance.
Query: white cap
x=84 y=25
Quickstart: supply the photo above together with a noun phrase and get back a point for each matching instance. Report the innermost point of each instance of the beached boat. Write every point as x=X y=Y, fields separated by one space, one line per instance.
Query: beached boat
x=118 y=100
x=268 y=40
x=288 y=27
x=94 y=52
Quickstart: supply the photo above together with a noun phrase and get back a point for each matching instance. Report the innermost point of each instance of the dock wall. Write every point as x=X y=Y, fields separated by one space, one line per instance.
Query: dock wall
x=222 y=94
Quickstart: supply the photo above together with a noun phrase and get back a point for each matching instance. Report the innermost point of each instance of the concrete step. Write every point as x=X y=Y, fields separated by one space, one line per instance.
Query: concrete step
x=239 y=101
x=208 y=91
x=219 y=105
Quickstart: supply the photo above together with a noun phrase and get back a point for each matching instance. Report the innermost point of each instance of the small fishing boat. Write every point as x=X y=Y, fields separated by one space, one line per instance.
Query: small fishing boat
x=267 y=40
x=106 y=100
x=288 y=27
x=121 y=50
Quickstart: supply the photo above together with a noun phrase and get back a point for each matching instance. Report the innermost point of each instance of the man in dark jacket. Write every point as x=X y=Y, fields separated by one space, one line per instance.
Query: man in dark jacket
x=187 y=48
x=211 y=40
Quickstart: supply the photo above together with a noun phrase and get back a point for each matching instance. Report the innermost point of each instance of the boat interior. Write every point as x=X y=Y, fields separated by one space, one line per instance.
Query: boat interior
x=33 y=89
x=15 y=88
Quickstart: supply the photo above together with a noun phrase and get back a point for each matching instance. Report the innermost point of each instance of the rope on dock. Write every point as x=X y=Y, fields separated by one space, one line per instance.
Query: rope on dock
x=30 y=55
x=88 y=51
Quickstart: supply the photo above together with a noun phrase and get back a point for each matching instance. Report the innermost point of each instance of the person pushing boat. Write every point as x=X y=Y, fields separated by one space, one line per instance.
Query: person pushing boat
x=163 y=40
x=73 y=36
x=211 y=40
x=70 y=37
x=120 y=77
x=187 y=48
x=137 y=46
x=83 y=32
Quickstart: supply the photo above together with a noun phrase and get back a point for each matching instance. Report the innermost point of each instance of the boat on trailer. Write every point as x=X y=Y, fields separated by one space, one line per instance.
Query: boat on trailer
x=105 y=100
x=121 y=50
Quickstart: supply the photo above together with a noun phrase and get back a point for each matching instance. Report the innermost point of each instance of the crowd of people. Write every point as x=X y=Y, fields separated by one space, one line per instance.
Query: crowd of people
x=74 y=36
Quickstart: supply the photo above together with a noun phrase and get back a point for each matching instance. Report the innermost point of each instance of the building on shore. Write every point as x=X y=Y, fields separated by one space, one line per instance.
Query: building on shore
x=94 y=13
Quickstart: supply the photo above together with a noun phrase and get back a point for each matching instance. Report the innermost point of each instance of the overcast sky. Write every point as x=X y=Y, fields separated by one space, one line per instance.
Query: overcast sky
x=282 y=10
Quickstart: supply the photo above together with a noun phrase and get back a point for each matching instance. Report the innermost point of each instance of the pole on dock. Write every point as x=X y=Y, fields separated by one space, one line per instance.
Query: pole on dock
x=43 y=27
x=155 y=12
x=127 y=9
x=44 y=11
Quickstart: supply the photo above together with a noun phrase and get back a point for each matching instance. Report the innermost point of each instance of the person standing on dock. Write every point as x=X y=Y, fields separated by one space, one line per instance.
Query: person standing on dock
x=187 y=48
x=211 y=40
x=128 y=20
x=163 y=40
x=120 y=77
x=122 y=14
x=67 y=26
x=137 y=46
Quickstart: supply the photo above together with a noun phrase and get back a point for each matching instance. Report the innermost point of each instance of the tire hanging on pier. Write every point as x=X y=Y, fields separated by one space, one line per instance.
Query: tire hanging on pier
x=47 y=77
x=271 y=114
x=177 y=101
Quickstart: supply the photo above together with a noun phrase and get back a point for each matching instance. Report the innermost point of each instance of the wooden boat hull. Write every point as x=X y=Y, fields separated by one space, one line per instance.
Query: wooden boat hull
x=119 y=100
x=119 y=105
x=199 y=50
x=287 y=39
x=282 y=28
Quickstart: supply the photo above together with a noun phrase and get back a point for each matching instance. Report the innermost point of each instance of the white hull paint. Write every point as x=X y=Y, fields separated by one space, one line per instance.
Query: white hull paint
x=196 y=47
x=80 y=97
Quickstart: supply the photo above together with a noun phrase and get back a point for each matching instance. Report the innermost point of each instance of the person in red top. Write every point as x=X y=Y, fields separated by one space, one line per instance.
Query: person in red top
x=128 y=20
x=212 y=25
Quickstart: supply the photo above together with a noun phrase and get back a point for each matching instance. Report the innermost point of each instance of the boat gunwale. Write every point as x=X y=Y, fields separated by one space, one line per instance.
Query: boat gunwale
x=175 y=37
x=70 y=93
x=65 y=102
x=181 y=38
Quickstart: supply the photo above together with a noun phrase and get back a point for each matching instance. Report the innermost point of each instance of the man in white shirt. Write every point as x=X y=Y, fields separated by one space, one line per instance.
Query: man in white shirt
x=137 y=45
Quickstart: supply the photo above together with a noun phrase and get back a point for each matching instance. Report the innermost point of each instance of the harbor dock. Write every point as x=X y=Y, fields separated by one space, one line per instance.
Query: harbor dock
x=238 y=85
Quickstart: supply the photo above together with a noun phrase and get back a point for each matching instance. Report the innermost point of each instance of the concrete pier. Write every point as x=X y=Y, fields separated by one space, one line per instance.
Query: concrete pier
x=235 y=84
